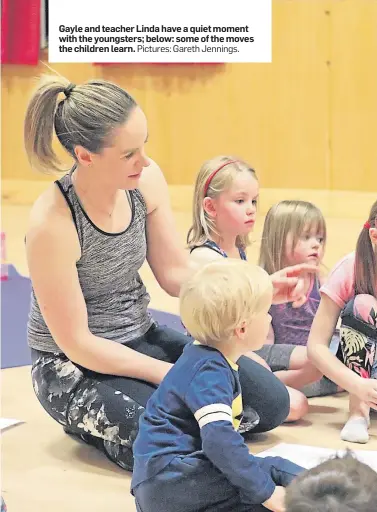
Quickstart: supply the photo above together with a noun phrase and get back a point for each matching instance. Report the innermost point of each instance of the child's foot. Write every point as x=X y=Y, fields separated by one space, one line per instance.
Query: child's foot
x=356 y=430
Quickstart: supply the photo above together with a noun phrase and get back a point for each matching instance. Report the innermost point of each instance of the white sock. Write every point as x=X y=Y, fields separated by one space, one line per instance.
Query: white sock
x=356 y=430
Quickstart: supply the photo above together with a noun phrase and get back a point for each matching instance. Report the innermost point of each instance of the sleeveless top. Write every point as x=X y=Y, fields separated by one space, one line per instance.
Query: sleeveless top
x=213 y=245
x=108 y=271
x=292 y=325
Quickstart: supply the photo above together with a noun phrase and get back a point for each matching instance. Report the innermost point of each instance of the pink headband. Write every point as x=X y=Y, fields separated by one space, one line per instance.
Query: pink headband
x=213 y=174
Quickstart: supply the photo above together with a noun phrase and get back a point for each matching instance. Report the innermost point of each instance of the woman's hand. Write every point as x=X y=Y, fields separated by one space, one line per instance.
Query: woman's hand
x=289 y=284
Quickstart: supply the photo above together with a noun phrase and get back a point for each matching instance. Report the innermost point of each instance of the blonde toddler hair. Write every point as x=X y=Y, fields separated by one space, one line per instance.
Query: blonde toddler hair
x=220 y=296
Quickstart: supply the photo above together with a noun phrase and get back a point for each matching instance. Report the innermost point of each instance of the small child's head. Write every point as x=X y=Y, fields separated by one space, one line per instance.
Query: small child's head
x=227 y=301
x=294 y=232
x=225 y=201
x=337 y=485
x=366 y=256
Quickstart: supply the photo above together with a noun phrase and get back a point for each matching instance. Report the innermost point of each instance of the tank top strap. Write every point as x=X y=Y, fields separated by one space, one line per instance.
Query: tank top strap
x=210 y=244
x=242 y=254
x=64 y=185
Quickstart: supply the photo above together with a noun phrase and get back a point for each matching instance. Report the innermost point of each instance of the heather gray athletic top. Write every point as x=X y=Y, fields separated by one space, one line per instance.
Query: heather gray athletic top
x=108 y=270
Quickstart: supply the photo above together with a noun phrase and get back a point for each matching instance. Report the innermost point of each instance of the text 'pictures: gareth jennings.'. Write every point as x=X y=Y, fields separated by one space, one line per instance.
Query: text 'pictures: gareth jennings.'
x=187 y=49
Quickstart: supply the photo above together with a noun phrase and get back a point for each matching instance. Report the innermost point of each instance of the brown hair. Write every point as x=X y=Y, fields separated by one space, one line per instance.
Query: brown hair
x=202 y=224
x=85 y=116
x=342 y=484
x=283 y=218
x=365 y=259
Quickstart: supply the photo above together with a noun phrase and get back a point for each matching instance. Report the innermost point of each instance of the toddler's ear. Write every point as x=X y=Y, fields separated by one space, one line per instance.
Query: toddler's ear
x=240 y=331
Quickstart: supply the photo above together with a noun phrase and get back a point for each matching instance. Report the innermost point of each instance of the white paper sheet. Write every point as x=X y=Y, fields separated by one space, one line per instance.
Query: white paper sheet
x=8 y=422
x=310 y=456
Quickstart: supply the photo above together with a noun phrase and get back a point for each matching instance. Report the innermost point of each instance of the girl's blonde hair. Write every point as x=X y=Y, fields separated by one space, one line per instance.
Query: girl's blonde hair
x=220 y=296
x=283 y=218
x=85 y=115
x=203 y=226
x=365 y=259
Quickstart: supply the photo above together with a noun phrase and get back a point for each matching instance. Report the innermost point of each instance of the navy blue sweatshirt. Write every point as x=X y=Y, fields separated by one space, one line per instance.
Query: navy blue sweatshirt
x=197 y=410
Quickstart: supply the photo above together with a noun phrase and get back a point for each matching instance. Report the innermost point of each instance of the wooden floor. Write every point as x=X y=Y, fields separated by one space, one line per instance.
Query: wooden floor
x=42 y=467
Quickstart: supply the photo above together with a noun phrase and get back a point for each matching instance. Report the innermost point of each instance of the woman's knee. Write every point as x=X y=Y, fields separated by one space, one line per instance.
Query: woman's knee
x=265 y=393
x=278 y=403
x=258 y=359
x=299 y=405
x=277 y=414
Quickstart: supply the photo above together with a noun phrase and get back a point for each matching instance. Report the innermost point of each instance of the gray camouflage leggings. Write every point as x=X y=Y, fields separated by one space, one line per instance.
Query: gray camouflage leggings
x=104 y=410
x=98 y=408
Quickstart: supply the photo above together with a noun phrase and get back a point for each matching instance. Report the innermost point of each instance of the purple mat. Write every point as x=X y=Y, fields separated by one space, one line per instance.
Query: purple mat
x=15 y=303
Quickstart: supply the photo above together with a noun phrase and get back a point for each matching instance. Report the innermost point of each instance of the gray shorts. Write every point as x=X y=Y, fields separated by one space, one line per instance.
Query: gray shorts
x=278 y=356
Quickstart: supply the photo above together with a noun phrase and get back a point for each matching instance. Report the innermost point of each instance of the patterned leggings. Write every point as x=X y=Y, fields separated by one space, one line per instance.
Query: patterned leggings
x=358 y=336
x=104 y=410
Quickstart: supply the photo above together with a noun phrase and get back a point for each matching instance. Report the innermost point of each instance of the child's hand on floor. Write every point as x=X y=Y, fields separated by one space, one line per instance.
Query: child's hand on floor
x=366 y=390
x=276 y=502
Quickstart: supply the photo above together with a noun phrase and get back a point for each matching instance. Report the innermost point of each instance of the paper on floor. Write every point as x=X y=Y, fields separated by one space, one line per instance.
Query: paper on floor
x=8 y=422
x=310 y=456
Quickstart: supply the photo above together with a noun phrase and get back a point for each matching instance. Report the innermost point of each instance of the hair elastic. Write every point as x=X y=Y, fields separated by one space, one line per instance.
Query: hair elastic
x=367 y=225
x=67 y=91
x=213 y=174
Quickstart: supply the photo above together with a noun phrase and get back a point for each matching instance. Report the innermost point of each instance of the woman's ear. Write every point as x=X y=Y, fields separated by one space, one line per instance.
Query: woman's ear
x=84 y=157
x=209 y=206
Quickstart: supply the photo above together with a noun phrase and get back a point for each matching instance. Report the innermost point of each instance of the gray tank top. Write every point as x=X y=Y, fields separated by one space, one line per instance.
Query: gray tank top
x=108 y=270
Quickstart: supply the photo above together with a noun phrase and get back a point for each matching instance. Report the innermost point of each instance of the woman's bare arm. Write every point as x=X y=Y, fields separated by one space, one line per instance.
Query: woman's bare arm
x=166 y=255
x=52 y=251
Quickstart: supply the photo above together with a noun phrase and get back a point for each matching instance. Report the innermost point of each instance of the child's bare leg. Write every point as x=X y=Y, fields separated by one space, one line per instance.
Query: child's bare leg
x=299 y=406
x=301 y=371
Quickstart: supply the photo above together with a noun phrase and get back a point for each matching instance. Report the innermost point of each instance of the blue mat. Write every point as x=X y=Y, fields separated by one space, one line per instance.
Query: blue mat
x=15 y=304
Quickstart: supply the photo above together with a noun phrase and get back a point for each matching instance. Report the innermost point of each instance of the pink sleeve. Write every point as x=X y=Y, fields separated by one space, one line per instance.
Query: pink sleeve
x=339 y=286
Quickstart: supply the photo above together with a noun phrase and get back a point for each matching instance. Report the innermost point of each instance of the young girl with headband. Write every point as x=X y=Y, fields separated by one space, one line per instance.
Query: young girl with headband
x=351 y=293
x=224 y=213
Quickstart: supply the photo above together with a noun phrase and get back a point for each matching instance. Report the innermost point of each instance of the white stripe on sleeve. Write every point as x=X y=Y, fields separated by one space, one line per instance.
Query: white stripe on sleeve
x=213 y=412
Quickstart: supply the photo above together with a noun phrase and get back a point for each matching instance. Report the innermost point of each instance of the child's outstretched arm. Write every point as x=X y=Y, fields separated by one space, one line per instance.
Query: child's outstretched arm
x=210 y=397
x=322 y=329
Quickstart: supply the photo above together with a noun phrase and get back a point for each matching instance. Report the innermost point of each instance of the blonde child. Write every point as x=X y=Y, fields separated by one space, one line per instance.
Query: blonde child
x=224 y=214
x=350 y=292
x=294 y=232
x=189 y=455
